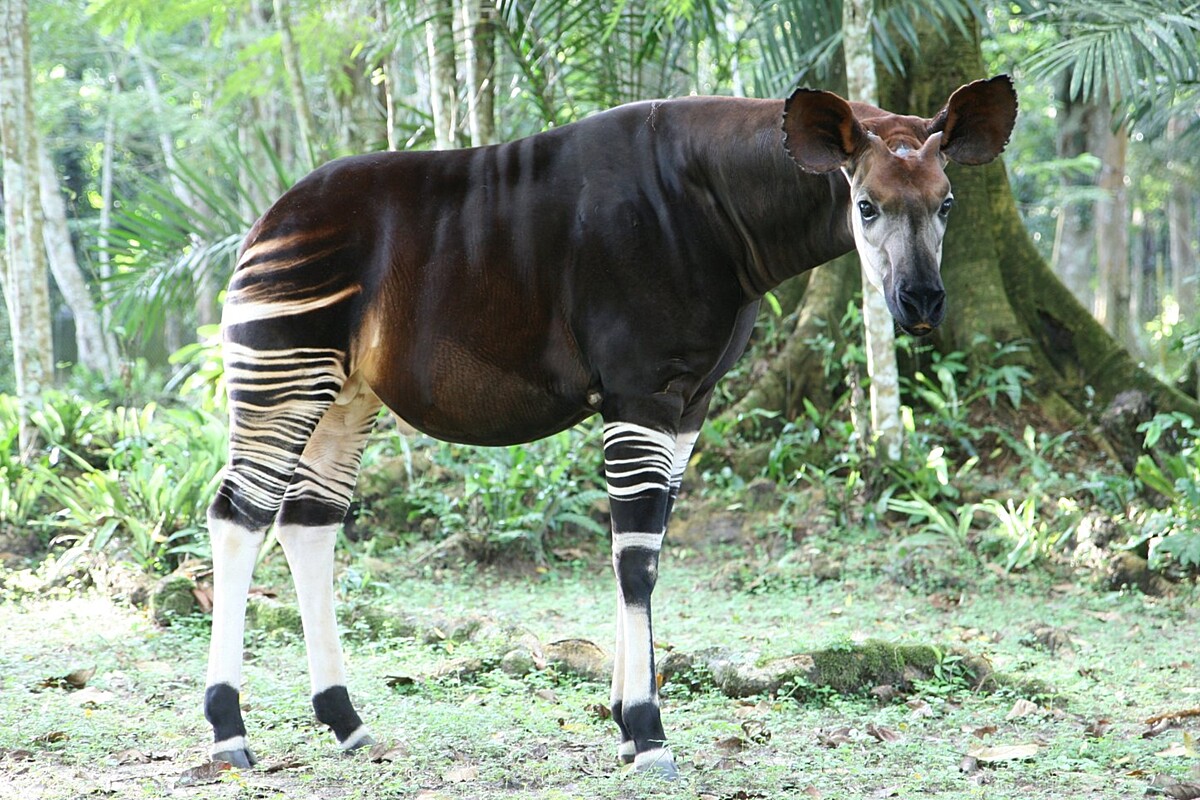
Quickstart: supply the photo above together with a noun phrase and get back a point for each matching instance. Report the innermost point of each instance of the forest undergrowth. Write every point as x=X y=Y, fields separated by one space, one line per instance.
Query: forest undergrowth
x=998 y=544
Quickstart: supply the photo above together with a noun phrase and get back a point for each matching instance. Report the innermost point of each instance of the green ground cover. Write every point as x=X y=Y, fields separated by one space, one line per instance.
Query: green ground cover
x=455 y=725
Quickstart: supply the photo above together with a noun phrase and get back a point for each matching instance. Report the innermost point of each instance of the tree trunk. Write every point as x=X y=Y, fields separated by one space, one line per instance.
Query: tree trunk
x=479 y=28
x=1074 y=240
x=25 y=280
x=95 y=346
x=443 y=98
x=295 y=77
x=103 y=257
x=1180 y=215
x=1112 y=229
x=878 y=328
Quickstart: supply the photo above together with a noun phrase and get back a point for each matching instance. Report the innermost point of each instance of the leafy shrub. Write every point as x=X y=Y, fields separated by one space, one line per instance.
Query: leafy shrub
x=1174 y=473
x=494 y=499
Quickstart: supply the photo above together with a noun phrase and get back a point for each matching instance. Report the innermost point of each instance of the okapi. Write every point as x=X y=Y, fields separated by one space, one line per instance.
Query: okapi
x=500 y=294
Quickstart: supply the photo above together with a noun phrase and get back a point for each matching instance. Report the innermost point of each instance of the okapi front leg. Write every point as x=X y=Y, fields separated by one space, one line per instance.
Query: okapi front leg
x=638 y=465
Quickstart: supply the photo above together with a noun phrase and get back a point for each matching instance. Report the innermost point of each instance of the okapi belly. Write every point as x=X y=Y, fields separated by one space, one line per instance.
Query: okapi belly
x=460 y=396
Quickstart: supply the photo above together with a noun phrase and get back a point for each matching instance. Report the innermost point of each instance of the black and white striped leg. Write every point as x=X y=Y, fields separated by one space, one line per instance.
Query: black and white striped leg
x=638 y=464
x=276 y=399
x=312 y=512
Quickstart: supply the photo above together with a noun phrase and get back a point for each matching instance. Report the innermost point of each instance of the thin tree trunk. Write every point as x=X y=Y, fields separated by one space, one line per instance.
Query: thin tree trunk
x=1180 y=213
x=479 y=27
x=291 y=66
x=94 y=344
x=103 y=257
x=387 y=69
x=1112 y=231
x=439 y=43
x=25 y=280
x=878 y=328
x=1074 y=240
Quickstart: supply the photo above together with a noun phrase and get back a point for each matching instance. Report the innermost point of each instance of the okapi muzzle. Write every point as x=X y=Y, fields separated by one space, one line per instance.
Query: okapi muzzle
x=500 y=294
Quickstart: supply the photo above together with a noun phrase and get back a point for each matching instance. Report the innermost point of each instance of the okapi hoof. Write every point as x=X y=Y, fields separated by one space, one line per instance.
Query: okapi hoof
x=658 y=762
x=241 y=757
x=358 y=742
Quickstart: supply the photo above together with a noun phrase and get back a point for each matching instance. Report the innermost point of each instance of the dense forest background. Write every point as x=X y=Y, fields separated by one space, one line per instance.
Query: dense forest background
x=142 y=139
x=1003 y=604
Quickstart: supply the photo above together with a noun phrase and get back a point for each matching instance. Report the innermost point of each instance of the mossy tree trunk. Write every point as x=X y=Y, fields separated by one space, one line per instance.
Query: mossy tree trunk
x=997 y=284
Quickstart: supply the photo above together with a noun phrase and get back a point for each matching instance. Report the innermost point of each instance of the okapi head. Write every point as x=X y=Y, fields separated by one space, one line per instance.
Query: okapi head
x=900 y=197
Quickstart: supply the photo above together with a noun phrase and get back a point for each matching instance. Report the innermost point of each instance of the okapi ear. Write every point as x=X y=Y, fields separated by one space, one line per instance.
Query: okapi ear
x=820 y=131
x=977 y=120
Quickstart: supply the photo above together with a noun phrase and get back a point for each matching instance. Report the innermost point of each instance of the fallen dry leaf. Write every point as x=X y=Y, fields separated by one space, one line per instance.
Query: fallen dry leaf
x=52 y=737
x=811 y=791
x=461 y=774
x=1177 y=750
x=598 y=710
x=287 y=763
x=1182 y=791
x=130 y=756
x=834 y=738
x=731 y=744
x=1022 y=708
x=1097 y=728
x=969 y=765
x=76 y=679
x=983 y=730
x=386 y=751
x=209 y=772
x=883 y=734
x=920 y=708
x=1004 y=752
x=1173 y=715
x=546 y=694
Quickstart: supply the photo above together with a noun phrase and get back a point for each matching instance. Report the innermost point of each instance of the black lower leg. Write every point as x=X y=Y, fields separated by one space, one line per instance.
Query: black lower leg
x=333 y=708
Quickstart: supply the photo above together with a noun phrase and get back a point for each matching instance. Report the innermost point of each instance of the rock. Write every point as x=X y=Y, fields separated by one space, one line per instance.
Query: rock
x=517 y=662
x=271 y=615
x=1120 y=422
x=172 y=597
x=460 y=669
x=1129 y=569
x=581 y=657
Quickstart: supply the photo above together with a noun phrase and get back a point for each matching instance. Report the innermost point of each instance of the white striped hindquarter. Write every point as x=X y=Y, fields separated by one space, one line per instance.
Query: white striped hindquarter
x=298 y=424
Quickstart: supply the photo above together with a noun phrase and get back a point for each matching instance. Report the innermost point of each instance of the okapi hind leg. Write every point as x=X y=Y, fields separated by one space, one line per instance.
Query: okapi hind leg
x=276 y=399
x=312 y=512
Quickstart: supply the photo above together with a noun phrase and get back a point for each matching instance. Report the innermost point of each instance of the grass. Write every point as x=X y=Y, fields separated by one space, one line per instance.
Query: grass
x=1123 y=657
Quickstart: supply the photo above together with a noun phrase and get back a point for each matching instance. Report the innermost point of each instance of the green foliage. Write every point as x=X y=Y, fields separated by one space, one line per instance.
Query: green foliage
x=121 y=484
x=493 y=499
x=1173 y=472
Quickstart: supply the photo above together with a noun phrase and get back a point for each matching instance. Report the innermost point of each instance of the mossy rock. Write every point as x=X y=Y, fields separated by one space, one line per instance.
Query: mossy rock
x=172 y=597
x=272 y=616
x=853 y=669
x=372 y=623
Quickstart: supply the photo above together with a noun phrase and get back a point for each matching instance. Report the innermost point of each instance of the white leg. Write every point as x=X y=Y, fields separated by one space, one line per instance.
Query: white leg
x=234 y=552
x=309 y=551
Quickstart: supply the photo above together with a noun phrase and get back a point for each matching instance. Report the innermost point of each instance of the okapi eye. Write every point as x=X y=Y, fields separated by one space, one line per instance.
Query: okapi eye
x=868 y=211
x=947 y=204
